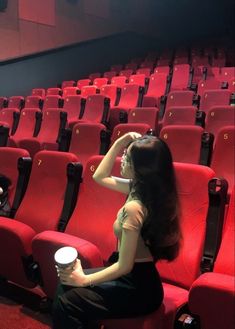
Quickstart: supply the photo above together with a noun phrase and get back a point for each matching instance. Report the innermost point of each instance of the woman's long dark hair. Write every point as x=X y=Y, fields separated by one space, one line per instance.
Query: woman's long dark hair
x=154 y=184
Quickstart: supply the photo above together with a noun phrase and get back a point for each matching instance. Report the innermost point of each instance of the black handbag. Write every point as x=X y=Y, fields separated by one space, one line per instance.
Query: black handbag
x=5 y=208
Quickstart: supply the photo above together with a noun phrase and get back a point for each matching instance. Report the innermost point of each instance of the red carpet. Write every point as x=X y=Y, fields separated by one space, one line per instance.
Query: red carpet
x=19 y=309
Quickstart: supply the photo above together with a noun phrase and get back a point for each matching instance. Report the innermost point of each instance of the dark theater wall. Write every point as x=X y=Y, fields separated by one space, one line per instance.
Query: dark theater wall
x=31 y=26
x=85 y=36
x=28 y=27
x=19 y=76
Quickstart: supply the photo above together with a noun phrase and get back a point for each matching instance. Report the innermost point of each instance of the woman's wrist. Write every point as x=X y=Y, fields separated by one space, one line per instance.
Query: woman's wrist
x=118 y=144
x=87 y=282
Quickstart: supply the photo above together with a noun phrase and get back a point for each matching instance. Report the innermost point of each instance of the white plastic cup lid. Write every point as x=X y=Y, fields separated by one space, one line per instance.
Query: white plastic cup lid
x=65 y=256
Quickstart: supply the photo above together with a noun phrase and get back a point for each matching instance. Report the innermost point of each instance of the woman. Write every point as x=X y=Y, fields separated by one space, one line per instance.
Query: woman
x=147 y=228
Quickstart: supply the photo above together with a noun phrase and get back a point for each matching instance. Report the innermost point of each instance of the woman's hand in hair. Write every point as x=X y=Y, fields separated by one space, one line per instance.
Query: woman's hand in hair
x=128 y=138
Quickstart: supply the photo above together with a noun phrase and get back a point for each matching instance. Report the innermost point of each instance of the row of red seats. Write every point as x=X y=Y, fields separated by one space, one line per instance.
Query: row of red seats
x=181 y=79
x=29 y=241
x=130 y=97
x=179 y=110
x=178 y=130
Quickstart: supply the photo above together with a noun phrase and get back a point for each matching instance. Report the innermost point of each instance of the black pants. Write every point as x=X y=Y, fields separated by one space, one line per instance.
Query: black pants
x=138 y=293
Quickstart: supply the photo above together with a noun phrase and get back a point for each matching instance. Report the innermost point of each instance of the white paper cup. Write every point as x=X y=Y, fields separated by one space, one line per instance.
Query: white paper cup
x=65 y=257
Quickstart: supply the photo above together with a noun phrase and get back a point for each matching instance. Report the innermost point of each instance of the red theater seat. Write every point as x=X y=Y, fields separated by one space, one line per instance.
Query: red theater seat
x=95 y=243
x=179 y=115
x=223 y=160
x=41 y=209
x=39 y=92
x=218 y=117
x=52 y=101
x=211 y=297
x=73 y=105
x=16 y=102
x=96 y=109
x=208 y=84
x=213 y=98
x=53 y=121
x=9 y=117
x=138 y=79
x=231 y=84
x=112 y=92
x=126 y=73
x=179 y=275
x=109 y=75
x=94 y=75
x=33 y=102
x=54 y=91
x=227 y=73
x=131 y=66
x=87 y=140
x=180 y=98
x=147 y=64
x=157 y=87
x=144 y=70
x=148 y=115
x=29 y=124
x=83 y=82
x=13 y=164
x=181 y=78
x=131 y=96
x=162 y=69
x=70 y=91
x=184 y=142
x=68 y=83
x=99 y=82
x=88 y=91
x=119 y=81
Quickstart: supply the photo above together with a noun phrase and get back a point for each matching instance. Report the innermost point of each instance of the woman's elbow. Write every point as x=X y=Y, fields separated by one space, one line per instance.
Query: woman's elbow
x=96 y=178
x=126 y=268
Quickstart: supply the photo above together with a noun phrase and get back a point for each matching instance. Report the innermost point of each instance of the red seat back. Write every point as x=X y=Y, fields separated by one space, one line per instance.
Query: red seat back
x=223 y=155
x=86 y=140
x=69 y=91
x=130 y=95
x=83 y=82
x=96 y=210
x=181 y=77
x=9 y=166
x=52 y=101
x=99 y=82
x=214 y=97
x=180 y=98
x=218 y=117
x=88 y=91
x=184 y=142
x=111 y=92
x=148 y=115
x=179 y=115
x=26 y=124
x=119 y=81
x=45 y=191
x=16 y=102
x=96 y=109
x=225 y=259
x=194 y=201
x=7 y=117
x=33 y=102
x=72 y=105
